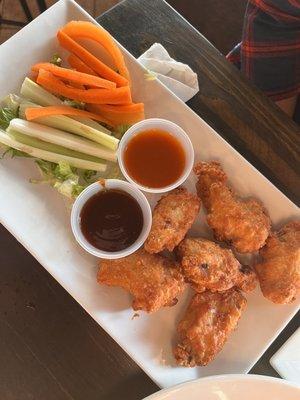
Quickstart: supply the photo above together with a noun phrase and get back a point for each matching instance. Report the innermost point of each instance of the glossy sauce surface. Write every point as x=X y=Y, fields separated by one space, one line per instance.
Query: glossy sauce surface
x=111 y=220
x=154 y=158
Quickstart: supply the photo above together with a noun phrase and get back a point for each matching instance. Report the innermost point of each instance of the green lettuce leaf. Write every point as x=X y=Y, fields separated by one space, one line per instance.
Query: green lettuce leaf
x=56 y=60
x=61 y=176
x=6 y=115
x=120 y=130
x=73 y=103
x=9 y=151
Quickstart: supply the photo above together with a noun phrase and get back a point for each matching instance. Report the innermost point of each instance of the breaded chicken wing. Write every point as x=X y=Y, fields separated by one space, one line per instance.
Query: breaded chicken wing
x=173 y=216
x=206 y=325
x=279 y=272
x=242 y=223
x=207 y=266
x=153 y=280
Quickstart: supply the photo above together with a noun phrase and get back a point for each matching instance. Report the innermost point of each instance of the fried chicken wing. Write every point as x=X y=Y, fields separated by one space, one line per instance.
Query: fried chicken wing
x=279 y=272
x=207 y=266
x=153 y=280
x=242 y=223
x=173 y=216
x=206 y=325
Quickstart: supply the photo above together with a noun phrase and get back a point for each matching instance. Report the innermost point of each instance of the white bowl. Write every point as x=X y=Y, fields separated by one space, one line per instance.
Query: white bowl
x=231 y=387
x=174 y=130
x=91 y=191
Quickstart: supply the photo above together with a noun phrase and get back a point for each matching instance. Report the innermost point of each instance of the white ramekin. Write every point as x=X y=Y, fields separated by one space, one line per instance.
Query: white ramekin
x=92 y=190
x=174 y=130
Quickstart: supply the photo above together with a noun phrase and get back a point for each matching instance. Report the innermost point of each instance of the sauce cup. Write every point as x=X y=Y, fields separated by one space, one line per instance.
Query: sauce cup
x=172 y=129
x=90 y=191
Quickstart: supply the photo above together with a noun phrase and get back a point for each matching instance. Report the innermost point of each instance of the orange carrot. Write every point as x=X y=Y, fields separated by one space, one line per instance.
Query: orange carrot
x=79 y=65
x=32 y=113
x=76 y=85
x=95 y=96
x=118 y=115
x=89 y=59
x=74 y=76
x=85 y=29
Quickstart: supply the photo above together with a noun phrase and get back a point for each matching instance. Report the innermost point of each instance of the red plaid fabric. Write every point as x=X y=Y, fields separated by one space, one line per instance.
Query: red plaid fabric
x=269 y=54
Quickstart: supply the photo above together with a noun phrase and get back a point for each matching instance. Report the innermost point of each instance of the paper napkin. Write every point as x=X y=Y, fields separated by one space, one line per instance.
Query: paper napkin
x=178 y=77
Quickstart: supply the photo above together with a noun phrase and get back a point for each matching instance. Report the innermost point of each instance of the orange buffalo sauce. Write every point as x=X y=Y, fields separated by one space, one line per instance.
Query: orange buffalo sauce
x=154 y=158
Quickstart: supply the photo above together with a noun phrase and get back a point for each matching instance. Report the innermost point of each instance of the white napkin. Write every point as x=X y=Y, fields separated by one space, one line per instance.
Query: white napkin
x=178 y=77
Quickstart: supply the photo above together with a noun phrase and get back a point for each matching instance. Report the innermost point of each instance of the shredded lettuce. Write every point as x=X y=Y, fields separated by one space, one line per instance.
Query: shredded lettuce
x=6 y=115
x=88 y=175
x=120 y=130
x=61 y=176
x=9 y=151
x=73 y=103
x=70 y=181
x=56 y=60
x=12 y=101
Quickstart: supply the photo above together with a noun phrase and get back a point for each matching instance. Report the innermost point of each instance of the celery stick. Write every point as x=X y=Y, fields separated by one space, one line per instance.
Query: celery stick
x=48 y=155
x=54 y=148
x=71 y=125
x=39 y=95
x=61 y=138
x=92 y=124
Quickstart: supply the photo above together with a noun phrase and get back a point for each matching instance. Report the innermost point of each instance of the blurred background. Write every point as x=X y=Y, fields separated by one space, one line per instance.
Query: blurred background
x=220 y=21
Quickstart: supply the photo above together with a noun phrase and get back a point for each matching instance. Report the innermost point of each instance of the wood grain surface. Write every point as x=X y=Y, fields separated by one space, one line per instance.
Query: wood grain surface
x=50 y=348
x=237 y=110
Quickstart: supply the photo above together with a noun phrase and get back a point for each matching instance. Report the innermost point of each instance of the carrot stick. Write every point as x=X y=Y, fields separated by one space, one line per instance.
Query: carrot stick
x=84 y=29
x=79 y=65
x=118 y=115
x=89 y=59
x=74 y=76
x=76 y=85
x=95 y=96
x=32 y=113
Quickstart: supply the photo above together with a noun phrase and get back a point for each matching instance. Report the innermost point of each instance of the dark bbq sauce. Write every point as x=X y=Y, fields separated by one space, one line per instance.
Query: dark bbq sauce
x=111 y=220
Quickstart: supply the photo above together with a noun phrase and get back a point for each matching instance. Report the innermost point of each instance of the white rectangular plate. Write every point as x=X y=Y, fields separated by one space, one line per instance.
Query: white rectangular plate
x=287 y=359
x=38 y=218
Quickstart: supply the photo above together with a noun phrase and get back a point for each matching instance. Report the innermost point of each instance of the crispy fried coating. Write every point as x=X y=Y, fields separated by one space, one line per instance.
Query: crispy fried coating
x=279 y=272
x=173 y=216
x=207 y=266
x=206 y=325
x=242 y=223
x=153 y=280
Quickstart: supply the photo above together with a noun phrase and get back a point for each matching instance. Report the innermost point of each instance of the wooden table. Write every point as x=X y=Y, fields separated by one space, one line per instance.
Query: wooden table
x=49 y=347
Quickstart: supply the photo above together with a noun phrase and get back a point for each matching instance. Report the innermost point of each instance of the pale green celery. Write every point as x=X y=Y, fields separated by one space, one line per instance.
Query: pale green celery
x=92 y=124
x=71 y=125
x=39 y=95
x=86 y=121
x=57 y=137
x=26 y=104
x=49 y=155
x=41 y=144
